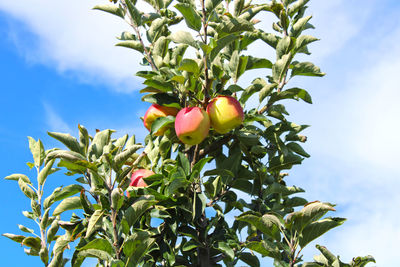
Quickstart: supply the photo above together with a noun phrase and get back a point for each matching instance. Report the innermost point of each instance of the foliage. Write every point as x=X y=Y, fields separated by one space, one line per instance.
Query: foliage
x=182 y=217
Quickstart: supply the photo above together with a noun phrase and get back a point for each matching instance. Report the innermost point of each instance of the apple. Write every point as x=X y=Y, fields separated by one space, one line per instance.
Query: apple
x=192 y=125
x=225 y=113
x=137 y=177
x=156 y=111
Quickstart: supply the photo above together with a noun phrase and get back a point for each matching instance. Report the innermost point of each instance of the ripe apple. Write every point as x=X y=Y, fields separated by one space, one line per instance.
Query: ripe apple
x=192 y=125
x=156 y=111
x=137 y=177
x=225 y=113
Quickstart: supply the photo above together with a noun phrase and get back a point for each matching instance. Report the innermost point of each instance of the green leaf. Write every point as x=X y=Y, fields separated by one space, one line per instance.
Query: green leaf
x=98 y=248
x=233 y=25
x=311 y=212
x=37 y=151
x=46 y=171
x=295 y=147
x=83 y=138
x=101 y=139
x=52 y=230
x=65 y=155
x=222 y=43
x=15 y=238
x=136 y=45
x=266 y=91
x=162 y=99
x=269 y=224
x=258 y=63
x=210 y=5
x=93 y=221
x=17 y=176
x=192 y=18
x=299 y=26
x=318 y=228
x=136 y=246
x=189 y=65
x=199 y=205
x=293 y=9
x=280 y=67
x=306 y=69
x=134 y=12
x=362 y=261
x=112 y=9
x=303 y=41
x=283 y=47
x=122 y=157
x=62 y=193
x=226 y=249
x=29 y=192
x=68 y=140
x=284 y=162
x=183 y=37
x=68 y=204
x=25 y=229
x=250 y=259
x=61 y=244
x=265 y=248
x=134 y=212
x=32 y=242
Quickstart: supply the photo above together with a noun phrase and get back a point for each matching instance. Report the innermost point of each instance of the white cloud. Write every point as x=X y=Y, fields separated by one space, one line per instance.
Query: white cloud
x=76 y=39
x=54 y=120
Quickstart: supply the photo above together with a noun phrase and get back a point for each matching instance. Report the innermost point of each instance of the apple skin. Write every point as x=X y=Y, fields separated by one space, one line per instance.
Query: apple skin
x=192 y=125
x=225 y=113
x=156 y=111
x=137 y=177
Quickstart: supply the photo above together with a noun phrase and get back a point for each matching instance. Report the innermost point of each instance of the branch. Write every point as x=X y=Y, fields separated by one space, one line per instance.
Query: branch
x=207 y=85
x=215 y=145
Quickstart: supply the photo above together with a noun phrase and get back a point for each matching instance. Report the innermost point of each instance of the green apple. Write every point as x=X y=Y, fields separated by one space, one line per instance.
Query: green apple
x=192 y=125
x=225 y=113
x=156 y=111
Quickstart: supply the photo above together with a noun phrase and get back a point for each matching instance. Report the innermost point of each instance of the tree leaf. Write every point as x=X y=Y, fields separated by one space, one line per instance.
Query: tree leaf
x=71 y=203
x=15 y=238
x=132 y=44
x=162 y=99
x=112 y=9
x=98 y=248
x=299 y=26
x=221 y=44
x=311 y=212
x=306 y=69
x=269 y=224
x=17 y=176
x=192 y=18
x=249 y=259
x=318 y=228
x=68 y=140
x=226 y=249
x=37 y=151
x=265 y=248
x=45 y=172
x=295 y=147
x=93 y=221
x=122 y=157
x=29 y=192
x=101 y=139
x=134 y=12
x=189 y=65
x=136 y=246
x=136 y=210
x=183 y=37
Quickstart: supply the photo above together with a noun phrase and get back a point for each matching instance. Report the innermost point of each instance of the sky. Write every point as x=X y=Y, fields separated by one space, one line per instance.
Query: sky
x=59 y=67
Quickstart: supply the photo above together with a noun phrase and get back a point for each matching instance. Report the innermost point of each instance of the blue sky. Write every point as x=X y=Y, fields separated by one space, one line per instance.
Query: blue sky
x=59 y=68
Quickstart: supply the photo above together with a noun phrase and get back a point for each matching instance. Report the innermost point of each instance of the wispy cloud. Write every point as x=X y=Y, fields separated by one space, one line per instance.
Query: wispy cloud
x=54 y=121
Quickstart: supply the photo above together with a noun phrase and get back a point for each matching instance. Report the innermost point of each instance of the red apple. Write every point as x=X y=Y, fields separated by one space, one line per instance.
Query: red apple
x=156 y=111
x=225 y=113
x=192 y=125
x=137 y=177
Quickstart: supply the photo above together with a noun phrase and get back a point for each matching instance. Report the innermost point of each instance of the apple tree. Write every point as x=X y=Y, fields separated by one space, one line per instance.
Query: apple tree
x=207 y=186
